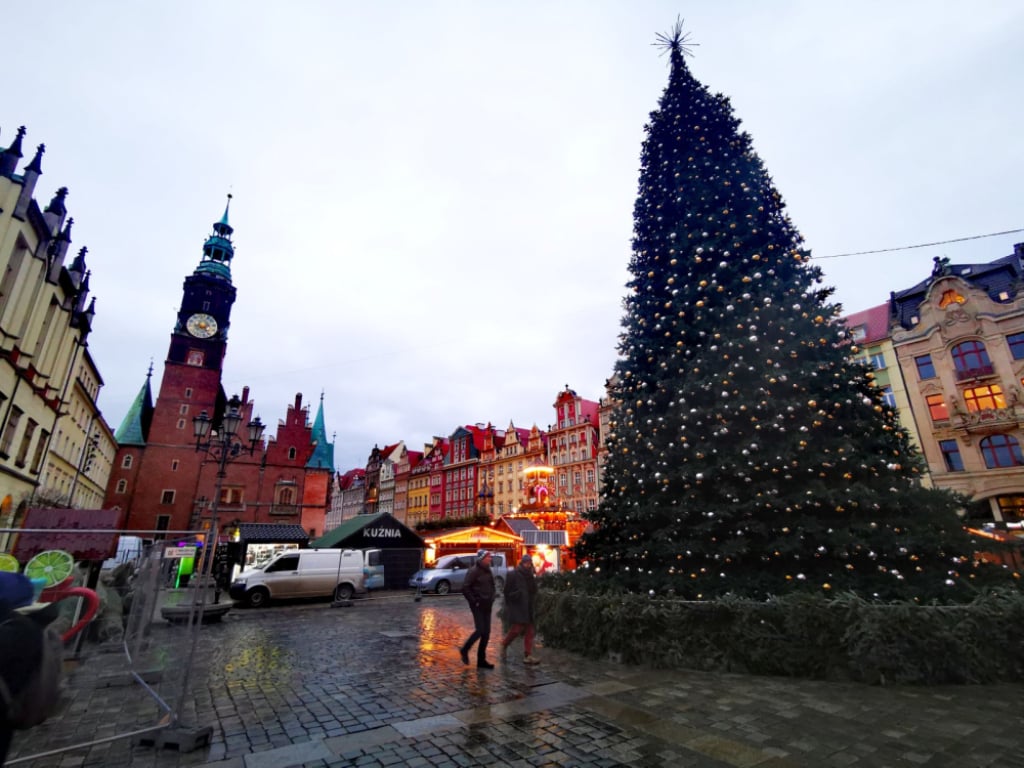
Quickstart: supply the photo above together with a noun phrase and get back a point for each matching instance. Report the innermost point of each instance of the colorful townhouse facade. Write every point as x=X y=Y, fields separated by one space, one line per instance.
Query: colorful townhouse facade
x=573 y=443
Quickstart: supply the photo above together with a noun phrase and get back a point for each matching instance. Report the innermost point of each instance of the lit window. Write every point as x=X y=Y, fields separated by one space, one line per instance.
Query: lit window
x=1001 y=451
x=925 y=367
x=937 y=408
x=950 y=297
x=951 y=454
x=984 y=398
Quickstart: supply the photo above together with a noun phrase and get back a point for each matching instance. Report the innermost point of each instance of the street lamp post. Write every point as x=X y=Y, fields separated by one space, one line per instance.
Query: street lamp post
x=224 y=445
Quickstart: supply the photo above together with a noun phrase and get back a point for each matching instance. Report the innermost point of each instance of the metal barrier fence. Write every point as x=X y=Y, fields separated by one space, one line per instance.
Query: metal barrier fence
x=164 y=605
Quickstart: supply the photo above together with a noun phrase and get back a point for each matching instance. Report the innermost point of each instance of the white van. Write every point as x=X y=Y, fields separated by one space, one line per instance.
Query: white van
x=336 y=573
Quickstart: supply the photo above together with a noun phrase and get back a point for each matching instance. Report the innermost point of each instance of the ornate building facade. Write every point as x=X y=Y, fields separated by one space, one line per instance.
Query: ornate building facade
x=48 y=384
x=573 y=443
x=959 y=340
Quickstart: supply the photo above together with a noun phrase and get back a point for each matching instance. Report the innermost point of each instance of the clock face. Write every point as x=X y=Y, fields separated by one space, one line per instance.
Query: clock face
x=201 y=326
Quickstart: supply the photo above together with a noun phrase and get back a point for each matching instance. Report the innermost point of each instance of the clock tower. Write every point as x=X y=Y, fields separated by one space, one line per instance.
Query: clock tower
x=201 y=331
x=160 y=463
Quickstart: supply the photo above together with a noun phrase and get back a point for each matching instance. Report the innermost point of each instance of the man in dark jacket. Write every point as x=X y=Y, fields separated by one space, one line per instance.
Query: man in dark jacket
x=520 y=606
x=478 y=589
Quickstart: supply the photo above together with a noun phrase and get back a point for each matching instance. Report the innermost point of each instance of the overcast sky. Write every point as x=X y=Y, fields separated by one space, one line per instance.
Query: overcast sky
x=433 y=200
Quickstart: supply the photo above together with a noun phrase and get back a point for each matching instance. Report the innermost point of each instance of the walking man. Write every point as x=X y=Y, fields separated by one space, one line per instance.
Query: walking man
x=520 y=604
x=478 y=589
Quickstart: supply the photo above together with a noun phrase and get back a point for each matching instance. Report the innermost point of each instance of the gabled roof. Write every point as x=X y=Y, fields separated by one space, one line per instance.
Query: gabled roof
x=346 y=529
x=874 y=321
x=135 y=428
x=346 y=533
x=323 y=451
x=519 y=524
x=995 y=277
x=346 y=480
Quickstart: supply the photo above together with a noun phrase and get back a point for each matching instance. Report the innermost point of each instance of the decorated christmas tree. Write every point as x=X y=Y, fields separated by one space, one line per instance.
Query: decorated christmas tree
x=750 y=454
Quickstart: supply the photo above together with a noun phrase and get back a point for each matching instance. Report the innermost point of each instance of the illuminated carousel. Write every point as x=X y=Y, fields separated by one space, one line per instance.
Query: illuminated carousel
x=557 y=526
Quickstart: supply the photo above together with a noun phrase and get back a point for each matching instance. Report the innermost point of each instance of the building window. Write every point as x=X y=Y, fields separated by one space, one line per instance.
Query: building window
x=188 y=392
x=859 y=332
x=167 y=497
x=984 y=398
x=877 y=361
x=590 y=475
x=181 y=423
x=291 y=453
x=925 y=368
x=37 y=460
x=888 y=397
x=174 y=465
x=937 y=408
x=1001 y=451
x=950 y=297
x=971 y=359
x=163 y=522
x=183 y=410
x=26 y=442
x=951 y=454
x=122 y=486
x=9 y=432
x=1010 y=508
x=1016 y=344
x=126 y=462
x=232 y=495
x=577 y=478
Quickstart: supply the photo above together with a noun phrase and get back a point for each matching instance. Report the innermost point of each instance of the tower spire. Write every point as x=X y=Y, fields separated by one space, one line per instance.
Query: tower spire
x=218 y=249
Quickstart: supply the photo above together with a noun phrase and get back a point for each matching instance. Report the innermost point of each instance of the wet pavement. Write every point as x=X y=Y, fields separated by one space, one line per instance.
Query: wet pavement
x=380 y=683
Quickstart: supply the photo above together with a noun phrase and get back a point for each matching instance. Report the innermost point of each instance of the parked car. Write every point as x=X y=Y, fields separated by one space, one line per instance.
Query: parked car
x=337 y=573
x=448 y=573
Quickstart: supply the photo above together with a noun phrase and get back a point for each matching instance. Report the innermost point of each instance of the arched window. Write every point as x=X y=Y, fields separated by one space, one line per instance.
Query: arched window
x=122 y=486
x=126 y=462
x=1001 y=451
x=286 y=495
x=971 y=358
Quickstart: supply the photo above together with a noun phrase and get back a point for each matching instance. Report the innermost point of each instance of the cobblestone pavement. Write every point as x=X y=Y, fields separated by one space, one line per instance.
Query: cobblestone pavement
x=380 y=683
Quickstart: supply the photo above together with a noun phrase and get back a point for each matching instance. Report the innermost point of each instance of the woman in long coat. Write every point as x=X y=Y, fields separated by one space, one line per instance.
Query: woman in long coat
x=520 y=604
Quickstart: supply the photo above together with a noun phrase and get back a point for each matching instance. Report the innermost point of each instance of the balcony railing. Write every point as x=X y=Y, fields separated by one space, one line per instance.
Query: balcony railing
x=987 y=420
x=975 y=373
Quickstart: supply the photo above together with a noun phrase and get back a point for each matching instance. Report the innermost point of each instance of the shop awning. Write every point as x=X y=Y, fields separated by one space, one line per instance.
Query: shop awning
x=272 y=533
